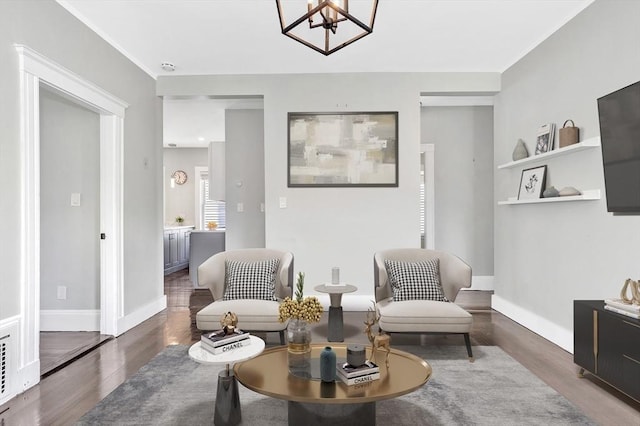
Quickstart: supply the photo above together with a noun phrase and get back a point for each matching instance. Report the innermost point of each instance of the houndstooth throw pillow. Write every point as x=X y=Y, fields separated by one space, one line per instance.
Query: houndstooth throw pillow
x=415 y=280
x=250 y=280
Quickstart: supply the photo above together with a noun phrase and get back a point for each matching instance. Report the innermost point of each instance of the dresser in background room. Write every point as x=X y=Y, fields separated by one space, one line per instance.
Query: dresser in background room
x=176 y=248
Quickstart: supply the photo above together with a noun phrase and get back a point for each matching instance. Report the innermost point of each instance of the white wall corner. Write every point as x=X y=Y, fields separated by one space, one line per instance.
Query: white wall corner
x=542 y=326
x=127 y=322
x=70 y=320
x=481 y=282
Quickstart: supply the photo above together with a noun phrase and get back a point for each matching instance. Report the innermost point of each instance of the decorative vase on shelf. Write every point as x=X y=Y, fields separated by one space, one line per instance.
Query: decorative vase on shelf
x=299 y=347
x=520 y=151
x=328 y=365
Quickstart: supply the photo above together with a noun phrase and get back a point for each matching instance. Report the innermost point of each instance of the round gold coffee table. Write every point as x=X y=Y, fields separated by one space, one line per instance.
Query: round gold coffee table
x=312 y=402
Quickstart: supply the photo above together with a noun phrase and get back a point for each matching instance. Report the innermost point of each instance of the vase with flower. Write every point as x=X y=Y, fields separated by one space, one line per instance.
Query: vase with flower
x=300 y=312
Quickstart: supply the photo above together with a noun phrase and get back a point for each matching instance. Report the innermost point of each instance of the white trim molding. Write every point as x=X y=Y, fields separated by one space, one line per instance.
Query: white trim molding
x=10 y=335
x=129 y=321
x=542 y=326
x=36 y=70
x=70 y=320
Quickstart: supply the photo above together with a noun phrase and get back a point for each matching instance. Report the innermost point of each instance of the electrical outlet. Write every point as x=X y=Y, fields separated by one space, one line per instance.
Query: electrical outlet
x=75 y=199
x=62 y=292
x=283 y=202
x=240 y=207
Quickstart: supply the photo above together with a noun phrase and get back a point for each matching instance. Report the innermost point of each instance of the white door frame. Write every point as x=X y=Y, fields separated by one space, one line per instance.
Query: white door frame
x=36 y=69
x=428 y=150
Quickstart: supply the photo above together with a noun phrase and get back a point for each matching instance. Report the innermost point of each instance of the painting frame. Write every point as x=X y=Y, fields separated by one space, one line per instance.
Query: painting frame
x=342 y=149
x=531 y=184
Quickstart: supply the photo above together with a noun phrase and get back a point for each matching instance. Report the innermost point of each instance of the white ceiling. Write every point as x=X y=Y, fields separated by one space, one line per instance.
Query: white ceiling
x=244 y=37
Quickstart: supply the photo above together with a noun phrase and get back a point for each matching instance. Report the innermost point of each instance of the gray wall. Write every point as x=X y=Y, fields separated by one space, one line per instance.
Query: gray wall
x=326 y=227
x=50 y=30
x=463 y=139
x=69 y=242
x=244 y=177
x=547 y=255
x=181 y=200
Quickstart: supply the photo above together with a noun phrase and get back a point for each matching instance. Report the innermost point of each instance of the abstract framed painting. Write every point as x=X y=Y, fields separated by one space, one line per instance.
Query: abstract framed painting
x=532 y=183
x=342 y=149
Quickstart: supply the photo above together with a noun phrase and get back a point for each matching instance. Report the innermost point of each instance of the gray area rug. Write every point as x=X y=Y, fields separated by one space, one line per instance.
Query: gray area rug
x=172 y=389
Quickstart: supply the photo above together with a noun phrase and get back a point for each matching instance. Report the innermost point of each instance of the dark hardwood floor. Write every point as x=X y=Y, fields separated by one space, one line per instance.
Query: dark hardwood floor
x=64 y=396
x=59 y=348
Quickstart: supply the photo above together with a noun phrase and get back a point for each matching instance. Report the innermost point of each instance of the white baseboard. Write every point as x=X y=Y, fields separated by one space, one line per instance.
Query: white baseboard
x=28 y=376
x=481 y=282
x=539 y=325
x=70 y=320
x=127 y=322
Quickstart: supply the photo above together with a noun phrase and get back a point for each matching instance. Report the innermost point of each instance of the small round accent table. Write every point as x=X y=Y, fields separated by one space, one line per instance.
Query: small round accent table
x=227 y=410
x=336 y=323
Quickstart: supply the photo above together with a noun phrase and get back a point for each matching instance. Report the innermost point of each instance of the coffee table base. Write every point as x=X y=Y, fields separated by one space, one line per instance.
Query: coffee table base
x=227 y=411
x=332 y=414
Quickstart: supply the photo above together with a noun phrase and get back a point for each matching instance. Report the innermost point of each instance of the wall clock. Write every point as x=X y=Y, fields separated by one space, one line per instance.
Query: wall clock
x=180 y=177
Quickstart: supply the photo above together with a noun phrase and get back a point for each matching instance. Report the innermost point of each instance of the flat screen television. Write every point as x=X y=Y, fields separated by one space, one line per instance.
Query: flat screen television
x=619 y=114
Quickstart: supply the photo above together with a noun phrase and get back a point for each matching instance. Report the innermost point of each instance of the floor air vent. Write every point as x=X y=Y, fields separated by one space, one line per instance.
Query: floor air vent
x=4 y=365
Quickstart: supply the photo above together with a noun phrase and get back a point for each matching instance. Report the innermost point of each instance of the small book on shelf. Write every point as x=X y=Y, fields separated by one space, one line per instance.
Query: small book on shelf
x=219 y=338
x=349 y=371
x=359 y=380
x=622 y=311
x=228 y=347
x=618 y=303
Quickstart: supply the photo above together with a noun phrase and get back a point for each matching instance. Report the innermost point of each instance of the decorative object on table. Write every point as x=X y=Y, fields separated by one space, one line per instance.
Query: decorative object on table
x=532 y=183
x=380 y=340
x=300 y=312
x=327 y=365
x=520 y=151
x=568 y=134
x=634 y=287
x=545 y=138
x=229 y=321
x=179 y=219
x=220 y=341
x=550 y=192
x=343 y=149
x=335 y=275
x=351 y=375
x=179 y=176
x=356 y=355
x=629 y=306
x=211 y=225
x=568 y=191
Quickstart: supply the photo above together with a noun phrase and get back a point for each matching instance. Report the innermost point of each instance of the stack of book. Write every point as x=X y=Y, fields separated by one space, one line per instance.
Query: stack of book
x=218 y=342
x=618 y=306
x=364 y=373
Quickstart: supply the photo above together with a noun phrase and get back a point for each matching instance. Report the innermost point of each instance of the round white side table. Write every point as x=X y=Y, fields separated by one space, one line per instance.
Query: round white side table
x=336 y=321
x=227 y=411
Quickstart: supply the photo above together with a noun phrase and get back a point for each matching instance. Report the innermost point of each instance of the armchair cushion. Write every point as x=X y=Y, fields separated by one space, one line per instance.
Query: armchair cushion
x=415 y=280
x=250 y=280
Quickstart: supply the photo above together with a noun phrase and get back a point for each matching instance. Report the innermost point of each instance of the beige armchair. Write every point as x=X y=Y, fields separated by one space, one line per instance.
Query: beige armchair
x=424 y=316
x=253 y=314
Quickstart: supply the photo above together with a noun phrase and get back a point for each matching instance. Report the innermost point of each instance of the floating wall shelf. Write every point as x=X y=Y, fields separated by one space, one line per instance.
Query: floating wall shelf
x=586 y=144
x=588 y=195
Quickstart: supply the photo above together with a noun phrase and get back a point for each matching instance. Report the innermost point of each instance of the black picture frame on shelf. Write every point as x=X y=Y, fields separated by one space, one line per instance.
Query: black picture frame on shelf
x=532 y=183
x=342 y=149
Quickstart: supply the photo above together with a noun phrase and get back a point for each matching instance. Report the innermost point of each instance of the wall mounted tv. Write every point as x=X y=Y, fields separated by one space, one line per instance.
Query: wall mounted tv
x=619 y=114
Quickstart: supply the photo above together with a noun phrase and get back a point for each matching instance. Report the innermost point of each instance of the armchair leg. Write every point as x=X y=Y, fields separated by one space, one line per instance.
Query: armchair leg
x=282 y=337
x=467 y=341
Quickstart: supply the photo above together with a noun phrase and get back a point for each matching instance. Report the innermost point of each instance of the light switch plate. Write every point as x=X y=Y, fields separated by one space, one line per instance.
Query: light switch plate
x=240 y=207
x=75 y=199
x=283 y=202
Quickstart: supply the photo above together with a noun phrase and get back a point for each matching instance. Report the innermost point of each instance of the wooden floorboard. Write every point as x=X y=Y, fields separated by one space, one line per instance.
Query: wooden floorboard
x=59 y=348
x=64 y=396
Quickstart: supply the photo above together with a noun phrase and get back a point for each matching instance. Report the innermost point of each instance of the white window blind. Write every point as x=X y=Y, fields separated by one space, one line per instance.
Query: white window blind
x=211 y=210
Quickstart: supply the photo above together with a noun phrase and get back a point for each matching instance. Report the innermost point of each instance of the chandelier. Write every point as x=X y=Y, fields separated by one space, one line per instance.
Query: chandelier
x=328 y=25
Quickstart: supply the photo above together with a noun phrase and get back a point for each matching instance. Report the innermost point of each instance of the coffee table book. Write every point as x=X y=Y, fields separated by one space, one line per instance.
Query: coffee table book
x=349 y=371
x=219 y=338
x=217 y=350
x=358 y=380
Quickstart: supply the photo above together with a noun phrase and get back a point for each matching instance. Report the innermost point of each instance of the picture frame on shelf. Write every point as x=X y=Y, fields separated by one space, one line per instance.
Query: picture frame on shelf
x=532 y=183
x=342 y=149
x=545 y=138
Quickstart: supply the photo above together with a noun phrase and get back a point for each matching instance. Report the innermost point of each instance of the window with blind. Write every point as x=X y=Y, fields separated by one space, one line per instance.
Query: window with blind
x=210 y=210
